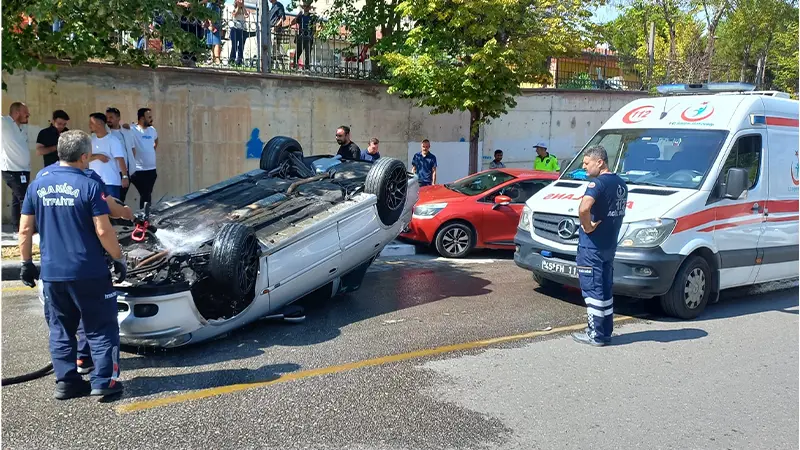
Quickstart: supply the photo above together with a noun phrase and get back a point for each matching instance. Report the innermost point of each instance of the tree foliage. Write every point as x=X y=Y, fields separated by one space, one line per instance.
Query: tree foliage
x=92 y=29
x=473 y=55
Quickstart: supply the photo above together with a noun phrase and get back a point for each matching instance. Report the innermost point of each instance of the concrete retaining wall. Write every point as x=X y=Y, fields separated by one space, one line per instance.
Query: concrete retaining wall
x=211 y=124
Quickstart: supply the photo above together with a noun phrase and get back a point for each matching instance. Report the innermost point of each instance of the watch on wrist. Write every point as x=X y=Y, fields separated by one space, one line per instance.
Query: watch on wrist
x=124 y=177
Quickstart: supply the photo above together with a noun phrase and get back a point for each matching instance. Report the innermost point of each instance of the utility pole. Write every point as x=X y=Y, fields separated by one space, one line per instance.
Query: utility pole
x=266 y=38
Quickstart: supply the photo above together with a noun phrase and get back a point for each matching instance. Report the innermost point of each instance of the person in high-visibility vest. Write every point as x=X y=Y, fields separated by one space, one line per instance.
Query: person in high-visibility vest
x=545 y=161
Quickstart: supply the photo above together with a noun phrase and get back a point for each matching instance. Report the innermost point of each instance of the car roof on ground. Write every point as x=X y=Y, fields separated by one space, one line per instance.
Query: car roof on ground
x=530 y=173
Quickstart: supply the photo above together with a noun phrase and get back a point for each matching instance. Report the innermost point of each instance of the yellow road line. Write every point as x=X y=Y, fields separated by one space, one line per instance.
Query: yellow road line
x=215 y=391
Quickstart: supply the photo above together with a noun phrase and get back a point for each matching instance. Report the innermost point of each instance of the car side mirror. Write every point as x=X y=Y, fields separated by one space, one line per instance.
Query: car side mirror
x=736 y=182
x=501 y=200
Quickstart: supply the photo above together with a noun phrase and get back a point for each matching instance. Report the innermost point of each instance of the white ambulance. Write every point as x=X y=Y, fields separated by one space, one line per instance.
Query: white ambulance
x=712 y=204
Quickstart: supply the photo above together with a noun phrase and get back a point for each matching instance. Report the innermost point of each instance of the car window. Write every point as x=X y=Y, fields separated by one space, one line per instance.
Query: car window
x=480 y=182
x=745 y=154
x=519 y=192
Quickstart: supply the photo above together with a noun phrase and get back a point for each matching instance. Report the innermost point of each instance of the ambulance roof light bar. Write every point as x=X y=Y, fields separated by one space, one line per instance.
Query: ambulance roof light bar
x=704 y=88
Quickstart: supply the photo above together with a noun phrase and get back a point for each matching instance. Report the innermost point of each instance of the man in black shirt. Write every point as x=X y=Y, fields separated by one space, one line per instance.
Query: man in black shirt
x=347 y=148
x=47 y=140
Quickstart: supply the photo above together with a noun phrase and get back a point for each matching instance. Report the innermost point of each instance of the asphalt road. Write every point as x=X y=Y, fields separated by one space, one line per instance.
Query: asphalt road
x=726 y=380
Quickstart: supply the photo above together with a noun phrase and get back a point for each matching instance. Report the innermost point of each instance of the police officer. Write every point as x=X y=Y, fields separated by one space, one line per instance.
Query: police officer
x=601 y=212
x=545 y=161
x=70 y=211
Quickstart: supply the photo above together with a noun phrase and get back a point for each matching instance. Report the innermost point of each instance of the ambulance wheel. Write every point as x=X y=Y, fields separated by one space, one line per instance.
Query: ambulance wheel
x=455 y=240
x=545 y=284
x=689 y=294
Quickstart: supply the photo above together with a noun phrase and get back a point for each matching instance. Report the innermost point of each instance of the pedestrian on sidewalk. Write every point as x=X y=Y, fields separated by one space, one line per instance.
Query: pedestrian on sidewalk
x=107 y=152
x=128 y=166
x=497 y=162
x=424 y=164
x=371 y=153
x=70 y=212
x=47 y=140
x=146 y=143
x=15 y=162
x=347 y=148
x=601 y=212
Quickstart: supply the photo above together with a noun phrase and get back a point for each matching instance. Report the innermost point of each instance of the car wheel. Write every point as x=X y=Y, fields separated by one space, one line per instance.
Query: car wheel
x=689 y=294
x=235 y=260
x=455 y=240
x=388 y=180
x=277 y=149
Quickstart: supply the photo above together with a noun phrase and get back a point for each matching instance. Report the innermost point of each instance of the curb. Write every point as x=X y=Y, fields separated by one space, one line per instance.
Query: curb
x=396 y=248
x=12 y=269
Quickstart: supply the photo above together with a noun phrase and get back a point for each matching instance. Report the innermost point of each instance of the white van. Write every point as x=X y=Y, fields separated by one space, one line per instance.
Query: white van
x=712 y=204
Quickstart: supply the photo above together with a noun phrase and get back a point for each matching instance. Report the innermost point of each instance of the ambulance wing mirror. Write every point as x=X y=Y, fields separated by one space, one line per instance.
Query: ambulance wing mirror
x=736 y=182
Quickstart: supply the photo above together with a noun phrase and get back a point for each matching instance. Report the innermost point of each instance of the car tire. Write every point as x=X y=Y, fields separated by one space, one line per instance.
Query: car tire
x=388 y=180
x=235 y=260
x=689 y=294
x=277 y=149
x=455 y=240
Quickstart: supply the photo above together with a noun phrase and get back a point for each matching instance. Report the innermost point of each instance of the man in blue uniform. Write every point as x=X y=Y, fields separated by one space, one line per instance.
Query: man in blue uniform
x=424 y=165
x=70 y=211
x=601 y=212
x=118 y=209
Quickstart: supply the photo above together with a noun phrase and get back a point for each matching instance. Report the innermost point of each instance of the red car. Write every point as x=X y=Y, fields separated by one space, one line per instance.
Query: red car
x=478 y=211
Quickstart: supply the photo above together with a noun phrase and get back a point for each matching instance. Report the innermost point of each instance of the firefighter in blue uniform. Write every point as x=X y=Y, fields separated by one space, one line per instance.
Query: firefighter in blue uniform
x=70 y=211
x=601 y=212
x=118 y=209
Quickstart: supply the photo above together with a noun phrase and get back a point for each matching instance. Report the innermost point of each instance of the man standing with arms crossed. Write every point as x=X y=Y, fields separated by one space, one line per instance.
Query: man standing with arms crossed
x=70 y=212
x=47 y=140
x=15 y=162
x=107 y=152
x=601 y=212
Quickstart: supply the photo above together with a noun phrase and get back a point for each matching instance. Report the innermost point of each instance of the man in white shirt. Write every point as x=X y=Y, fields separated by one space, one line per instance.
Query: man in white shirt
x=15 y=161
x=106 y=152
x=127 y=167
x=146 y=142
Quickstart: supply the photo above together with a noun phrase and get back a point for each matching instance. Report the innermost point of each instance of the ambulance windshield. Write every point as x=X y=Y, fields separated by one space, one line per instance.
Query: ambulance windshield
x=656 y=157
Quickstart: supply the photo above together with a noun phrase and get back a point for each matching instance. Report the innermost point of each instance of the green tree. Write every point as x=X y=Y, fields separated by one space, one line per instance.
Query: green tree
x=92 y=30
x=473 y=55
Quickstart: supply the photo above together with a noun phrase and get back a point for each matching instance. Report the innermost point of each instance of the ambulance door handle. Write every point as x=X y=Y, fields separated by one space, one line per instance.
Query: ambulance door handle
x=755 y=207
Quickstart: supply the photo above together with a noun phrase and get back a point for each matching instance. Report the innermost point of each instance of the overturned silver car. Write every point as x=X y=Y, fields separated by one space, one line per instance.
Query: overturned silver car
x=214 y=260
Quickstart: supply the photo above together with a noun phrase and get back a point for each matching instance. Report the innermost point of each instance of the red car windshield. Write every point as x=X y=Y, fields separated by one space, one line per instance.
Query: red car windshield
x=480 y=182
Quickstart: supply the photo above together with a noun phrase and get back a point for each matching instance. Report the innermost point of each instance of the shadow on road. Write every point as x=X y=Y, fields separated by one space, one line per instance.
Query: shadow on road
x=686 y=334
x=403 y=284
x=141 y=386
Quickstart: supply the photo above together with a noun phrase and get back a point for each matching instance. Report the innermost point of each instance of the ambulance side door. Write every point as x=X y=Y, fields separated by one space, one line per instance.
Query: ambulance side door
x=738 y=226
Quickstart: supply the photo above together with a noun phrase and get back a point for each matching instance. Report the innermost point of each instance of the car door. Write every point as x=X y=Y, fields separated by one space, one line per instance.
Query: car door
x=739 y=226
x=499 y=223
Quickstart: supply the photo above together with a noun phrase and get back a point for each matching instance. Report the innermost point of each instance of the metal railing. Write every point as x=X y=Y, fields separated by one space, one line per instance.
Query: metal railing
x=599 y=71
x=291 y=50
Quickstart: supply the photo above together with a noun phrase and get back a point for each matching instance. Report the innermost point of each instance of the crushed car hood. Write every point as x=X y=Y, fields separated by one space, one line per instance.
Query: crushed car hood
x=439 y=193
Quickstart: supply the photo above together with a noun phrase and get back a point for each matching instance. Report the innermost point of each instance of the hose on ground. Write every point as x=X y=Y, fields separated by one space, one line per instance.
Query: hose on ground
x=43 y=372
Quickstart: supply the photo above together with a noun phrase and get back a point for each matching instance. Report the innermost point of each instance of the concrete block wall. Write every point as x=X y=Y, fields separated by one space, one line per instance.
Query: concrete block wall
x=205 y=118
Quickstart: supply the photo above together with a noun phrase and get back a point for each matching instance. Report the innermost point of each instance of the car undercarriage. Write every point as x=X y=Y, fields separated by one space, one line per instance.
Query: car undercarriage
x=210 y=241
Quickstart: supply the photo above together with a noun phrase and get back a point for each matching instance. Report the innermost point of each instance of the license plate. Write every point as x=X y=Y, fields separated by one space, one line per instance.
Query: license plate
x=559 y=268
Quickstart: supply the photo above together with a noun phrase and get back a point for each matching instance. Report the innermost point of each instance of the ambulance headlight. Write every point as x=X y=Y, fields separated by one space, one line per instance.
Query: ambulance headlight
x=648 y=233
x=525 y=218
x=429 y=210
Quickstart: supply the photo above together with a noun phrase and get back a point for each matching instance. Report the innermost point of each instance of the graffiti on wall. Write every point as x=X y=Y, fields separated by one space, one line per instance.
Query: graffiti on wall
x=254 y=146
